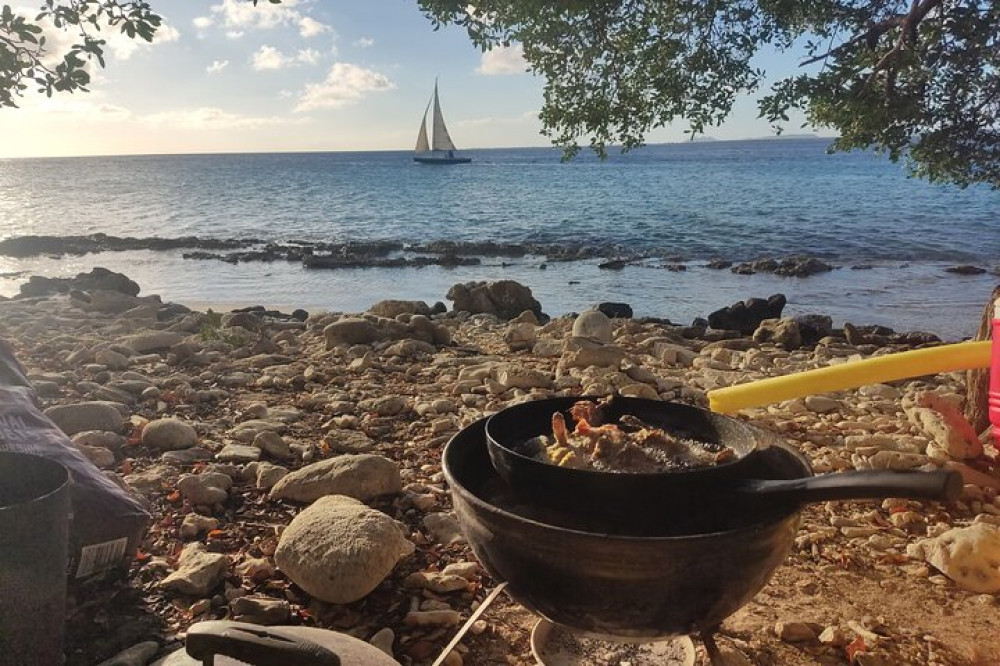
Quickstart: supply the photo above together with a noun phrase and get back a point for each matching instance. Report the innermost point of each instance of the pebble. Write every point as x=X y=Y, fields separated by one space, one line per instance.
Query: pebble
x=794 y=632
x=383 y=640
x=445 y=618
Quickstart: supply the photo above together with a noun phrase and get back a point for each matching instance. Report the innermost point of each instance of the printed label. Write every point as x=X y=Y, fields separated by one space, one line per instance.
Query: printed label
x=101 y=556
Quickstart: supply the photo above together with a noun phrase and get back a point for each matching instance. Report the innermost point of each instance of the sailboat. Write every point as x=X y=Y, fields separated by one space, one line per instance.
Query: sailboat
x=441 y=149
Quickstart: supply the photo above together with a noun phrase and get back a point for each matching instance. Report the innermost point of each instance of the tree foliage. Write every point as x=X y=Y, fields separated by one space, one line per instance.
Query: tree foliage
x=917 y=79
x=26 y=59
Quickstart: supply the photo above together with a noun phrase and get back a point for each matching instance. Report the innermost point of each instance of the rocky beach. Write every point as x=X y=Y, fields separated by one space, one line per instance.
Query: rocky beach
x=291 y=463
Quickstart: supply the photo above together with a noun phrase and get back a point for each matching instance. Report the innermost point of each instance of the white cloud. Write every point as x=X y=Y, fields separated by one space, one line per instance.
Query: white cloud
x=123 y=48
x=209 y=118
x=234 y=34
x=83 y=110
x=118 y=45
x=307 y=56
x=203 y=22
x=364 y=42
x=217 y=66
x=242 y=15
x=344 y=83
x=268 y=58
x=503 y=60
x=310 y=27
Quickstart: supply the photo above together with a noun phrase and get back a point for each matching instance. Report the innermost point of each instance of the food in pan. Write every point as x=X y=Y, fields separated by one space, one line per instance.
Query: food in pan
x=626 y=445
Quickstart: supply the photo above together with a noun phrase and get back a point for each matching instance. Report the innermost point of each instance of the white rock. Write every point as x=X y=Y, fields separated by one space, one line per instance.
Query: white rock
x=951 y=434
x=142 y=343
x=338 y=550
x=520 y=335
x=444 y=527
x=822 y=404
x=383 y=640
x=98 y=455
x=362 y=476
x=268 y=474
x=238 y=453
x=169 y=435
x=970 y=556
x=260 y=610
x=111 y=359
x=84 y=416
x=198 y=571
x=195 y=524
x=522 y=377
x=595 y=325
x=207 y=488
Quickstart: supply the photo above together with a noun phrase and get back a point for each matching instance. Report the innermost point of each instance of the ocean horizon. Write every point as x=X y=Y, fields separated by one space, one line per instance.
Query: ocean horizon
x=664 y=210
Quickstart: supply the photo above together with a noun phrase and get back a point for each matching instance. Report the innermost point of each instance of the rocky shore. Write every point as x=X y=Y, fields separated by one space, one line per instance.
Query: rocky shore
x=396 y=254
x=244 y=431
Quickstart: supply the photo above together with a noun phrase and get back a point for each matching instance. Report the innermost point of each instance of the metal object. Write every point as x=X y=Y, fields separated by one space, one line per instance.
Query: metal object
x=623 y=586
x=629 y=501
x=34 y=542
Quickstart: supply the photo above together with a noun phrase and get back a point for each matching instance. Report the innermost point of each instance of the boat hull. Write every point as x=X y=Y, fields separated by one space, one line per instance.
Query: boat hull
x=442 y=160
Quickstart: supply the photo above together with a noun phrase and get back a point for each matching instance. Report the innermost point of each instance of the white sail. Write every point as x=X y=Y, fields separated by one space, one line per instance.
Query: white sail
x=422 y=144
x=441 y=139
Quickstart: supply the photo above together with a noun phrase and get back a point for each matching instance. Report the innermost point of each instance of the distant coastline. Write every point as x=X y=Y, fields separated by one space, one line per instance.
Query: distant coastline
x=392 y=151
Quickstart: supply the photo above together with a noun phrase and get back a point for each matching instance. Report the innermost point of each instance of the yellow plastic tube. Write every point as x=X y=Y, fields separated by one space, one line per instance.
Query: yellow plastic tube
x=916 y=363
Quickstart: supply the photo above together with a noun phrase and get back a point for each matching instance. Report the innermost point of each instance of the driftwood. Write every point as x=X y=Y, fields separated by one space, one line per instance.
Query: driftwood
x=977 y=382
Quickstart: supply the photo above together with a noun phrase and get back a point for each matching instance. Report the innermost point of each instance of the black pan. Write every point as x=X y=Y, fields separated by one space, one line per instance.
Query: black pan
x=638 y=500
x=578 y=571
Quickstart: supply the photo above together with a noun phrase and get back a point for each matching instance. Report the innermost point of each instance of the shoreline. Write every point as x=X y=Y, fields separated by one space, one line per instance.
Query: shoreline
x=401 y=254
x=903 y=296
x=328 y=386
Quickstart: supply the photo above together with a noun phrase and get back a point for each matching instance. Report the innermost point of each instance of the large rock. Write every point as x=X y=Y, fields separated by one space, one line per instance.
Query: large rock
x=102 y=278
x=505 y=299
x=781 y=332
x=361 y=476
x=970 y=556
x=84 y=416
x=112 y=302
x=350 y=331
x=169 y=435
x=394 y=308
x=99 y=279
x=615 y=310
x=594 y=325
x=198 y=571
x=746 y=316
x=338 y=550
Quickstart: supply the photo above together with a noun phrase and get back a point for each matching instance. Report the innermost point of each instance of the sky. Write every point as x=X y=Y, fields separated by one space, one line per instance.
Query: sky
x=305 y=75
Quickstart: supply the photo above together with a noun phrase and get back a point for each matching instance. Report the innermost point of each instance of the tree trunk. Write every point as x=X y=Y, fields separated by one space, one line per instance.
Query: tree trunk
x=977 y=382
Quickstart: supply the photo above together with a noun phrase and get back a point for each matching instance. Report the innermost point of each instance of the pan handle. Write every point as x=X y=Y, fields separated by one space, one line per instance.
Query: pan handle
x=941 y=485
x=254 y=644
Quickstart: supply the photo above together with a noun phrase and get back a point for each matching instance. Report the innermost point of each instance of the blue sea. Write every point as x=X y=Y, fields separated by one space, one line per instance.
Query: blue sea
x=673 y=203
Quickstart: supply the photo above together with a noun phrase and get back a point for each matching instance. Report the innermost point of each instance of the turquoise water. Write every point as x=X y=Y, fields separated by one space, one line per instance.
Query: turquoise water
x=683 y=202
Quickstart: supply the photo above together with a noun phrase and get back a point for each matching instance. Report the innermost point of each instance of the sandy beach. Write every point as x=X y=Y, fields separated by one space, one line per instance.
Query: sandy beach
x=233 y=426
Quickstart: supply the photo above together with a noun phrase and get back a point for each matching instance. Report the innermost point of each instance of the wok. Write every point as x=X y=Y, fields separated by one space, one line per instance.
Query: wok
x=703 y=496
x=577 y=569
